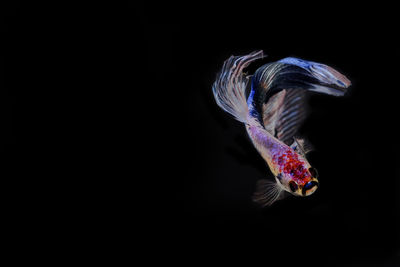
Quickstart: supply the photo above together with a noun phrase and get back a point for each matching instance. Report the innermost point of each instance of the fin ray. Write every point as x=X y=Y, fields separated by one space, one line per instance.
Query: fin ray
x=229 y=89
x=282 y=114
x=267 y=192
x=301 y=145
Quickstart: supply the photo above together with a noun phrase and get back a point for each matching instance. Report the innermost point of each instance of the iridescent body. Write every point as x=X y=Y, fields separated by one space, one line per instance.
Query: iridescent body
x=273 y=112
x=285 y=164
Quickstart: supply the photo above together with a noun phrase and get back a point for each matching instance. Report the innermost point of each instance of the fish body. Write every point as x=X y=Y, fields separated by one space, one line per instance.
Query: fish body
x=272 y=114
x=291 y=169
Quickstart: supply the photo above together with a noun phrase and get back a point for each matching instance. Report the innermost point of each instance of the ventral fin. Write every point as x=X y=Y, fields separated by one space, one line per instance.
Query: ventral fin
x=267 y=192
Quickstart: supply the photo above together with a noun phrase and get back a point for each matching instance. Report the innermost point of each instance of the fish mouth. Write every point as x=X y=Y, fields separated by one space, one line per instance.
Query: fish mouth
x=310 y=188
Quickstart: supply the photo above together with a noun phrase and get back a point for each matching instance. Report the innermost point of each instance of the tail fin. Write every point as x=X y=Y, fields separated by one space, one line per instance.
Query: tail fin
x=327 y=79
x=230 y=86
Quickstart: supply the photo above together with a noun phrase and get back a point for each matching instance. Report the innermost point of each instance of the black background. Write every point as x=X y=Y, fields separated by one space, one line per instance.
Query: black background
x=354 y=217
x=112 y=109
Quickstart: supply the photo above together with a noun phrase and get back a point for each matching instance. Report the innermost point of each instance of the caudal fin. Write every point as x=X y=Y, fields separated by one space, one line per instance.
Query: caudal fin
x=325 y=79
x=230 y=86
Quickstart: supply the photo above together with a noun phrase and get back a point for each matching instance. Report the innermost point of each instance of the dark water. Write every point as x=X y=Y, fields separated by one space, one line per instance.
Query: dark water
x=112 y=151
x=353 y=218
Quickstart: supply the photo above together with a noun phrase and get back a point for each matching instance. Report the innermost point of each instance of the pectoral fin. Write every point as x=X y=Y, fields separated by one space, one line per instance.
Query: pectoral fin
x=301 y=146
x=267 y=192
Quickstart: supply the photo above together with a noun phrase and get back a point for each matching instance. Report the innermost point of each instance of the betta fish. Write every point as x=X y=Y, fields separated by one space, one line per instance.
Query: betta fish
x=273 y=113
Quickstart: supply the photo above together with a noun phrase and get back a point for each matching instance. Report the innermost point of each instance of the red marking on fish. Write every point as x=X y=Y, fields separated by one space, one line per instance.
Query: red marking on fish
x=290 y=163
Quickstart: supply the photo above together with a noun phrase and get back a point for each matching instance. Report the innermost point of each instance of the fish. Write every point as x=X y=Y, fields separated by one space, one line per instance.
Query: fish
x=273 y=112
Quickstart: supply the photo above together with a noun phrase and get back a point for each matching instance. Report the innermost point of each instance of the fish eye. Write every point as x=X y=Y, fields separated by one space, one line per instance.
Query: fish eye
x=313 y=172
x=293 y=186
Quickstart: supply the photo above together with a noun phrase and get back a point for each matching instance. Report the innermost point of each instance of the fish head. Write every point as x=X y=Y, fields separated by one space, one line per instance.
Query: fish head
x=299 y=178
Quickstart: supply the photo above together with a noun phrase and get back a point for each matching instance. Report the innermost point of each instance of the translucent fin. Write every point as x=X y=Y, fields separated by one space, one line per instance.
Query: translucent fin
x=230 y=86
x=279 y=93
x=272 y=110
x=327 y=79
x=305 y=145
x=326 y=90
x=267 y=192
x=294 y=112
x=301 y=146
x=284 y=113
